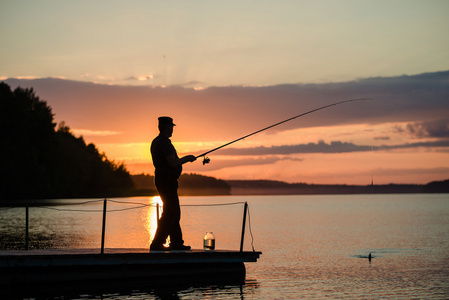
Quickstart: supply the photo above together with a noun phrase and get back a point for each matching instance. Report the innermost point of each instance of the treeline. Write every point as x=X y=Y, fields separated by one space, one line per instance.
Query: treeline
x=189 y=185
x=39 y=161
x=270 y=187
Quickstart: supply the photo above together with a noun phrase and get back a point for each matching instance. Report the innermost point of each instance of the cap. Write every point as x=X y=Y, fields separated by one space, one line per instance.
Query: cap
x=166 y=121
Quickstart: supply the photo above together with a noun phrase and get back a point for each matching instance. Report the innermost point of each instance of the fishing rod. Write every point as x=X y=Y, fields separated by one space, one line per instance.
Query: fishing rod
x=206 y=160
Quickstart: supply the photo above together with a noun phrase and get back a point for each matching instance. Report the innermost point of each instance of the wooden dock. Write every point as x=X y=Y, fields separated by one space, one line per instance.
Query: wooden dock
x=27 y=273
x=22 y=268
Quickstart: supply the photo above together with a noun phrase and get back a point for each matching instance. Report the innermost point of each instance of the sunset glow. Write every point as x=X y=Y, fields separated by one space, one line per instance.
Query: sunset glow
x=229 y=69
x=419 y=164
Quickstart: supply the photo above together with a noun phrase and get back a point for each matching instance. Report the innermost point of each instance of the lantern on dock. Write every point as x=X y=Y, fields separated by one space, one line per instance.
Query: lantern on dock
x=209 y=241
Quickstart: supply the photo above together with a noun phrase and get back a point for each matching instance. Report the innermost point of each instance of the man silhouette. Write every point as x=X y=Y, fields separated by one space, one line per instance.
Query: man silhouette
x=168 y=168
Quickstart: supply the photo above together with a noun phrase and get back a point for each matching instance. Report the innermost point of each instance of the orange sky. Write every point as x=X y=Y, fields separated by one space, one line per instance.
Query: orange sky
x=401 y=136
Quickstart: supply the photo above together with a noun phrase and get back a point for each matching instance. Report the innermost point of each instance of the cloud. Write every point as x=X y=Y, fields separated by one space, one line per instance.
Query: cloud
x=232 y=111
x=193 y=83
x=322 y=147
x=230 y=163
x=140 y=77
x=28 y=77
x=88 y=132
x=437 y=129
x=385 y=138
x=196 y=85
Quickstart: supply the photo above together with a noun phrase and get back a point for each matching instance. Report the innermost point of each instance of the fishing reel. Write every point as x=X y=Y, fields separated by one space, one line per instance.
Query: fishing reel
x=206 y=160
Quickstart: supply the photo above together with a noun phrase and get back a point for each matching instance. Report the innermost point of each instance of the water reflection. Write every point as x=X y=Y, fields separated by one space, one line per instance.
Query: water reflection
x=150 y=217
x=185 y=289
x=313 y=246
x=130 y=223
x=45 y=231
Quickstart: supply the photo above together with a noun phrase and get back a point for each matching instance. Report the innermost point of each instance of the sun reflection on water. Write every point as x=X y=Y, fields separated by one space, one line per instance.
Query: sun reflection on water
x=150 y=217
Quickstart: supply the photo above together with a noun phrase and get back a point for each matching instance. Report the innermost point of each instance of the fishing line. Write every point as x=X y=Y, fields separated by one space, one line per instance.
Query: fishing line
x=206 y=160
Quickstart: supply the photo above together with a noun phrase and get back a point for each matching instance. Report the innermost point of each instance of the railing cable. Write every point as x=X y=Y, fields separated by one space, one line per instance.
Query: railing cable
x=140 y=205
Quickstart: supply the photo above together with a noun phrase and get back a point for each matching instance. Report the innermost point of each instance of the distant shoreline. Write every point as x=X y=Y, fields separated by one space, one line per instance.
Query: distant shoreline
x=269 y=187
x=265 y=187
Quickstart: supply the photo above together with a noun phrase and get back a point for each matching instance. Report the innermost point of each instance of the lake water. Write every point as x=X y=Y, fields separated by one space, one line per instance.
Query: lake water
x=312 y=246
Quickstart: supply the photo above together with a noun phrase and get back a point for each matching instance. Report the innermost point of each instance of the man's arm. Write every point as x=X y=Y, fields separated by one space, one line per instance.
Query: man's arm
x=174 y=162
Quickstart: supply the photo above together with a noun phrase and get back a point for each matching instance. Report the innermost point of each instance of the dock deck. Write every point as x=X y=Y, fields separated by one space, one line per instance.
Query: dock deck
x=36 y=267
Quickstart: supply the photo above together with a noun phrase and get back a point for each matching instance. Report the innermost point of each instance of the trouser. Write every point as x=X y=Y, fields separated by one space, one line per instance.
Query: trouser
x=168 y=224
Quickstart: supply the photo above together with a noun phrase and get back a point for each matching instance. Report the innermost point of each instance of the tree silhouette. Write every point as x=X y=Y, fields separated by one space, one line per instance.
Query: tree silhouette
x=38 y=161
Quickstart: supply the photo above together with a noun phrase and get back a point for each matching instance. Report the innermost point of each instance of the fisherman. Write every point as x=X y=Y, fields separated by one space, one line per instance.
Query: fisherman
x=168 y=168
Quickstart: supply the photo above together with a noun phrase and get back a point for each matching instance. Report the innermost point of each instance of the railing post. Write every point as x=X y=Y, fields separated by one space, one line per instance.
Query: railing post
x=243 y=226
x=157 y=213
x=27 y=224
x=103 y=226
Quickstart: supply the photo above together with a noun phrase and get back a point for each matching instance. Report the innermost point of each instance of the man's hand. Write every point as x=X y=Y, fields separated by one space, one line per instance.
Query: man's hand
x=190 y=158
x=175 y=162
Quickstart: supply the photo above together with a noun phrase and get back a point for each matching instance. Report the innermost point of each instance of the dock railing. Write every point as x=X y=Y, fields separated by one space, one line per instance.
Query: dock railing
x=104 y=211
